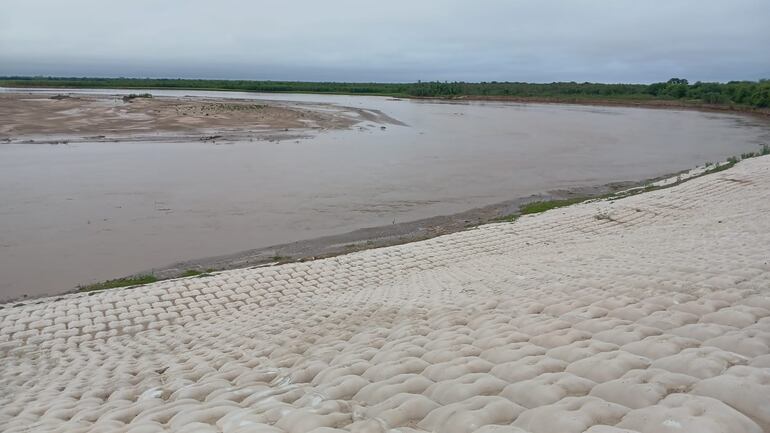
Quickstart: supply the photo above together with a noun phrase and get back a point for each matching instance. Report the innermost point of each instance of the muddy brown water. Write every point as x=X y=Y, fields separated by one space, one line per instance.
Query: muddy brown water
x=80 y=213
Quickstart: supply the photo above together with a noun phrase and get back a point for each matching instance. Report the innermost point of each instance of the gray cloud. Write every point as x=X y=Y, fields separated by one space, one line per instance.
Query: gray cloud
x=398 y=40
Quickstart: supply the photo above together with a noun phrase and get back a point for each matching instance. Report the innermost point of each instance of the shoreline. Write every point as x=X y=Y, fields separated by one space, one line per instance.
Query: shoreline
x=369 y=238
x=658 y=104
x=280 y=132
x=669 y=104
x=361 y=239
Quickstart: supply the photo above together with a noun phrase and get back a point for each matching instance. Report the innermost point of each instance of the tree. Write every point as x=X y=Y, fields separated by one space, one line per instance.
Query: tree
x=678 y=81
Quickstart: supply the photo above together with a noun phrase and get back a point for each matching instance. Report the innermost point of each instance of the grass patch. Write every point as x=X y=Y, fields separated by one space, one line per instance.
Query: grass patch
x=119 y=282
x=542 y=206
x=504 y=219
x=196 y=273
x=545 y=205
x=710 y=168
x=731 y=161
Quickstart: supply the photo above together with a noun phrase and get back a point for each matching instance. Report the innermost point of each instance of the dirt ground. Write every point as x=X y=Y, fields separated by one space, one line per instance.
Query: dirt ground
x=66 y=118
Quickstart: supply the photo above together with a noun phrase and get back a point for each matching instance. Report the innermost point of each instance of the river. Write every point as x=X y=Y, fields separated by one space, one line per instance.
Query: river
x=79 y=213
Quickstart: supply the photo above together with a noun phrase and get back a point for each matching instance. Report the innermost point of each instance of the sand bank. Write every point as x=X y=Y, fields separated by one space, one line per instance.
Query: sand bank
x=65 y=118
x=646 y=314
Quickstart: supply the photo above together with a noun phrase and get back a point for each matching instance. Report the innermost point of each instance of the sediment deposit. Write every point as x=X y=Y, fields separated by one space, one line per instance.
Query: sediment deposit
x=65 y=118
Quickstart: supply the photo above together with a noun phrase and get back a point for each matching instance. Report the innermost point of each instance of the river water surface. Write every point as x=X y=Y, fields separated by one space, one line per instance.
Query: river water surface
x=80 y=213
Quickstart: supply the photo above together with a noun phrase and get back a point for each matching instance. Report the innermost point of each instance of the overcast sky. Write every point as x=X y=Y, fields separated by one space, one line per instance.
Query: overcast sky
x=394 y=40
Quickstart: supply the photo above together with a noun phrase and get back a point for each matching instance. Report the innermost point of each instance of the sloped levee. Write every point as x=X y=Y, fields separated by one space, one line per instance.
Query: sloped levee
x=646 y=314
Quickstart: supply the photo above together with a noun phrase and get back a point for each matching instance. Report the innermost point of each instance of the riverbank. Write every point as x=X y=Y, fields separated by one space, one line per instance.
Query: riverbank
x=84 y=212
x=630 y=101
x=358 y=240
x=638 y=314
x=411 y=231
x=394 y=234
x=664 y=104
x=732 y=97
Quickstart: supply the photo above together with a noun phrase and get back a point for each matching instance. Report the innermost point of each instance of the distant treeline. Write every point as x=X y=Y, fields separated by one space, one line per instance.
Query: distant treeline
x=744 y=93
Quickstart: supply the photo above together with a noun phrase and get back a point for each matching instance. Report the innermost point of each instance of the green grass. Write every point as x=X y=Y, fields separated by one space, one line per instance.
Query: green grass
x=755 y=94
x=119 y=282
x=542 y=206
x=731 y=161
x=196 y=273
x=545 y=205
x=503 y=219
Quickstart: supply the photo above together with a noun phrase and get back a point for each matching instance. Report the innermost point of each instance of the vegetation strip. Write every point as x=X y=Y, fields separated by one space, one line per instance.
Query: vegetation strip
x=734 y=94
x=137 y=280
x=545 y=205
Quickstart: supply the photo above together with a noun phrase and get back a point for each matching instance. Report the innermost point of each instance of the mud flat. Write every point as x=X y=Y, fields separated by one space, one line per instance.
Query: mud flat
x=71 y=118
x=645 y=314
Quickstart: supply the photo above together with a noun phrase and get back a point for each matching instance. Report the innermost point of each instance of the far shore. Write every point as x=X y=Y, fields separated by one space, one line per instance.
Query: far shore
x=671 y=104
x=70 y=118
x=631 y=103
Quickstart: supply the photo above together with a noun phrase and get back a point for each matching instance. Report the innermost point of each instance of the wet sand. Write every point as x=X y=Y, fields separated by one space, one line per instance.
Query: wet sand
x=648 y=314
x=70 y=118
x=92 y=210
x=382 y=236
